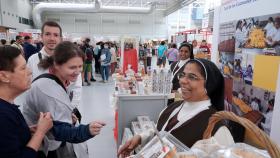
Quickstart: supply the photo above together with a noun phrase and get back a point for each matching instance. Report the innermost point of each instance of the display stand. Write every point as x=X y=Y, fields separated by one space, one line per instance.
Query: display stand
x=129 y=56
x=131 y=106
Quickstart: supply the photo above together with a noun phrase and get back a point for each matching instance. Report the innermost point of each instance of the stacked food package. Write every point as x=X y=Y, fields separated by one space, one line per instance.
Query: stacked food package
x=163 y=145
x=143 y=123
x=136 y=128
x=127 y=134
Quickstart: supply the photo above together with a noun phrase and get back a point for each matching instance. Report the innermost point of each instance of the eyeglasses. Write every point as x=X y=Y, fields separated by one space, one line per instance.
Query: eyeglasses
x=189 y=76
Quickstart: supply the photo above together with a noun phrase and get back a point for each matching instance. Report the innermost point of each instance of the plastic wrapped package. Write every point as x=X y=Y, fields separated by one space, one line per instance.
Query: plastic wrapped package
x=145 y=123
x=136 y=128
x=127 y=134
x=155 y=81
x=155 y=149
x=161 y=81
x=168 y=82
x=143 y=119
x=188 y=154
x=202 y=149
x=240 y=150
x=206 y=146
x=147 y=126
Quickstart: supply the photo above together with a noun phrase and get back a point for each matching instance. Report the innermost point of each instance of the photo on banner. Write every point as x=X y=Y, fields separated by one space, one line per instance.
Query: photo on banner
x=258 y=35
x=226 y=64
x=247 y=98
x=226 y=49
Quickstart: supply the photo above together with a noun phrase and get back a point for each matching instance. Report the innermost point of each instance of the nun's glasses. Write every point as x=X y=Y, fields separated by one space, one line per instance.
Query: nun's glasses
x=189 y=76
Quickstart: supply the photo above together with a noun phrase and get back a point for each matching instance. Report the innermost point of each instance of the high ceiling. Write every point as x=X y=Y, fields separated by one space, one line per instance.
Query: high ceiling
x=160 y=4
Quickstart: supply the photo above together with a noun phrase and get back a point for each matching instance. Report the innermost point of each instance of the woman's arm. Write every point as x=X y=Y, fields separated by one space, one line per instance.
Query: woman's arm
x=67 y=132
x=12 y=136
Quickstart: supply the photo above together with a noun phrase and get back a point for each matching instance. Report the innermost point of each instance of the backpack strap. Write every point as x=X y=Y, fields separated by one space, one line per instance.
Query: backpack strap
x=40 y=56
x=52 y=77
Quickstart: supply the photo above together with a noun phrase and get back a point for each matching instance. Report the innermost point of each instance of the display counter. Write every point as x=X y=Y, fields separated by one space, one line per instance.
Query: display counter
x=130 y=102
x=128 y=107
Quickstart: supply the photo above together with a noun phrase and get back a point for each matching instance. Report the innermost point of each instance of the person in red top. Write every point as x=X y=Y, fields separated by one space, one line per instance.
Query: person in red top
x=204 y=48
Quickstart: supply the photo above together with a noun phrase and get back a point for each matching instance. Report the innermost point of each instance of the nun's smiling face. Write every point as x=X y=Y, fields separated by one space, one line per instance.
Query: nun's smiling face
x=184 y=53
x=192 y=83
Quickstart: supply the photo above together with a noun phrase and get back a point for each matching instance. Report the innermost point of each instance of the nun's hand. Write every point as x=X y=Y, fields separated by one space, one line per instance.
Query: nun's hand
x=95 y=127
x=126 y=149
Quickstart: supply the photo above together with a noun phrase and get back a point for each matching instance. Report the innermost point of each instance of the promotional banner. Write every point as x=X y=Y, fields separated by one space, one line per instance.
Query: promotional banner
x=235 y=9
x=249 y=58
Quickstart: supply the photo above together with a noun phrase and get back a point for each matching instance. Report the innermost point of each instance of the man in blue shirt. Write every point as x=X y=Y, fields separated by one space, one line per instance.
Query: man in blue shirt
x=28 y=48
x=162 y=50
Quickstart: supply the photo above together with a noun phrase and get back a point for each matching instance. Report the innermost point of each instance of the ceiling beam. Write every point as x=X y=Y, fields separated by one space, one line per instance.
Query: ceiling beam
x=177 y=5
x=109 y=2
x=122 y=1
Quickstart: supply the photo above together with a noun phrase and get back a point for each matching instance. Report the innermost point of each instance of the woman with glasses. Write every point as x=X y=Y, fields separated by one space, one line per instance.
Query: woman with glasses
x=185 y=54
x=202 y=87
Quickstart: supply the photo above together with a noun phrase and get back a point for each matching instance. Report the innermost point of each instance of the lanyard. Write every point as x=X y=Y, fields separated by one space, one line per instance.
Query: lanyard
x=174 y=73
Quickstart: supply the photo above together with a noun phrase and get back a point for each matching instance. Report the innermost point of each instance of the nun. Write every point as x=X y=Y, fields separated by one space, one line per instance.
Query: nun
x=185 y=54
x=202 y=86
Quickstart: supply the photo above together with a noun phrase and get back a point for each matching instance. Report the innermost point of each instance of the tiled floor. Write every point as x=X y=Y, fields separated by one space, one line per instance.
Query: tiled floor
x=95 y=106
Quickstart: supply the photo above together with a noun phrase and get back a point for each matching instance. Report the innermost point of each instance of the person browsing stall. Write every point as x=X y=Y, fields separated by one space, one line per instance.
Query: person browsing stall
x=172 y=54
x=16 y=138
x=48 y=93
x=162 y=50
x=51 y=37
x=202 y=87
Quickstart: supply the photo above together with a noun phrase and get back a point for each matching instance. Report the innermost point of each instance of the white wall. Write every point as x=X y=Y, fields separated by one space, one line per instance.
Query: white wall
x=13 y=9
x=152 y=25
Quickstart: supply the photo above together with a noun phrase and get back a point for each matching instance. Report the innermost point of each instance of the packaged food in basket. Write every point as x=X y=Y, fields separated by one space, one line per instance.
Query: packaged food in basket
x=240 y=150
x=206 y=146
x=155 y=148
x=186 y=154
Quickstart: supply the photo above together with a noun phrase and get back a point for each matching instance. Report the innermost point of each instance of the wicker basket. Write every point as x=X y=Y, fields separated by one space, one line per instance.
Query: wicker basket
x=270 y=146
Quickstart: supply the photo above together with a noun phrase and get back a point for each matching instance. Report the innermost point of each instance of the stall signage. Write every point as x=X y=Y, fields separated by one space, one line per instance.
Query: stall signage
x=230 y=4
